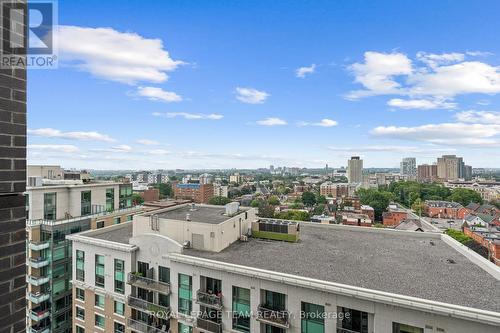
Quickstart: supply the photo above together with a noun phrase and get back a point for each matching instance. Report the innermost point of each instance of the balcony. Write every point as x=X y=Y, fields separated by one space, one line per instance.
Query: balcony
x=39 y=329
x=208 y=325
x=37 y=280
x=38 y=298
x=278 y=318
x=345 y=330
x=209 y=300
x=38 y=246
x=38 y=314
x=146 y=283
x=143 y=305
x=38 y=262
x=142 y=327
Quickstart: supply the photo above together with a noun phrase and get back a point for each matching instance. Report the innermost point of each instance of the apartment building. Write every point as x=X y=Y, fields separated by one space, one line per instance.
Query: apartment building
x=199 y=193
x=408 y=167
x=355 y=170
x=55 y=210
x=337 y=190
x=427 y=173
x=221 y=190
x=451 y=167
x=198 y=269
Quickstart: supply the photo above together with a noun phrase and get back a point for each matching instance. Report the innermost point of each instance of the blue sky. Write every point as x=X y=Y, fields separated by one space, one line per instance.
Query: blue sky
x=221 y=84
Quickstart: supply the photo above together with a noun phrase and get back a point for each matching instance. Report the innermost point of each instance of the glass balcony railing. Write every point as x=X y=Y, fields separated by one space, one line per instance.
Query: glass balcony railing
x=140 y=304
x=39 y=329
x=142 y=327
x=278 y=318
x=136 y=280
x=38 y=246
x=37 y=280
x=38 y=314
x=38 y=298
x=38 y=262
x=208 y=325
x=209 y=300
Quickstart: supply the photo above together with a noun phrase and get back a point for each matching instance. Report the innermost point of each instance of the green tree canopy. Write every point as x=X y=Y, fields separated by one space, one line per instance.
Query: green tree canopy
x=465 y=196
x=308 y=198
x=137 y=199
x=379 y=200
x=273 y=200
x=220 y=201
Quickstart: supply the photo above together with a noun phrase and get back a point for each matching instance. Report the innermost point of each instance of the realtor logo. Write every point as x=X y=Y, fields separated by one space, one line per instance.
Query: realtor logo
x=28 y=34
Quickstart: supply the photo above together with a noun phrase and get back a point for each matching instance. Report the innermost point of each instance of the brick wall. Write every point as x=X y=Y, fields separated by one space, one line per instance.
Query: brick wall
x=12 y=202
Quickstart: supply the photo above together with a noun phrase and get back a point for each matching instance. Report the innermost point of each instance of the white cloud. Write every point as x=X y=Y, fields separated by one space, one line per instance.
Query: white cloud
x=435 y=82
x=480 y=135
x=272 y=122
x=377 y=73
x=158 y=152
x=148 y=142
x=251 y=96
x=158 y=94
x=481 y=117
x=423 y=104
x=116 y=56
x=78 y=135
x=55 y=148
x=122 y=148
x=303 y=71
x=322 y=123
x=189 y=116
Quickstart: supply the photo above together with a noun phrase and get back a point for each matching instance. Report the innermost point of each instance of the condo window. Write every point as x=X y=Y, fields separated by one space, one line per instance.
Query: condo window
x=80 y=265
x=80 y=294
x=119 y=276
x=49 y=206
x=130 y=217
x=80 y=329
x=110 y=199
x=163 y=274
x=119 y=308
x=185 y=294
x=100 y=224
x=99 y=321
x=274 y=300
x=80 y=313
x=403 y=328
x=183 y=328
x=117 y=220
x=99 y=270
x=99 y=301
x=241 y=309
x=119 y=328
x=86 y=202
x=312 y=318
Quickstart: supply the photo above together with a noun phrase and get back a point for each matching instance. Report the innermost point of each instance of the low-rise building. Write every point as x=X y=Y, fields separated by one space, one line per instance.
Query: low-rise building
x=394 y=216
x=337 y=190
x=360 y=220
x=199 y=193
x=444 y=209
x=197 y=269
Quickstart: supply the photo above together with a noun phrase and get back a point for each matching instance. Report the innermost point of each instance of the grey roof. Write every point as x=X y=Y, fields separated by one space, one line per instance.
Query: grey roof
x=204 y=214
x=401 y=263
x=117 y=233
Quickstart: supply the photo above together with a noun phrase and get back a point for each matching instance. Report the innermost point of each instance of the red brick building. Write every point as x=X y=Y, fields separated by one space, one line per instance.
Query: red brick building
x=393 y=217
x=443 y=209
x=361 y=220
x=487 y=239
x=199 y=193
x=151 y=194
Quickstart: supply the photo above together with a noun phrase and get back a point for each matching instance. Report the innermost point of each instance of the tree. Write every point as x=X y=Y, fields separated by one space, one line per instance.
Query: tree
x=319 y=209
x=418 y=206
x=137 y=199
x=321 y=199
x=219 y=201
x=255 y=203
x=465 y=196
x=273 y=200
x=296 y=215
x=165 y=190
x=379 y=200
x=308 y=198
x=266 y=210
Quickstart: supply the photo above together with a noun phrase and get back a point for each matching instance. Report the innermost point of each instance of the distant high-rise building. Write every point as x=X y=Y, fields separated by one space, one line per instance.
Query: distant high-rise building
x=427 y=173
x=468 y=172
x=355 y=170
x=408 y=166
x=450 y=167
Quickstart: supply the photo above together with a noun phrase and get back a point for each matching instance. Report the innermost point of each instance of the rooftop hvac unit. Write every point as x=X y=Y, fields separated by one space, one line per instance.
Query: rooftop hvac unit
x=232 y=208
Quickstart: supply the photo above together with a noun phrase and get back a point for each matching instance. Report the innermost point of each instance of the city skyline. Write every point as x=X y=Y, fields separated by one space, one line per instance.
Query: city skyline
x=188 y=97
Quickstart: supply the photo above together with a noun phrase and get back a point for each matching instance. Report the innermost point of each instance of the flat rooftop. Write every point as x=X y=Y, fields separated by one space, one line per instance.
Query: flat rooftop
x=201 y=213
x=400 y=263
x=117 y=233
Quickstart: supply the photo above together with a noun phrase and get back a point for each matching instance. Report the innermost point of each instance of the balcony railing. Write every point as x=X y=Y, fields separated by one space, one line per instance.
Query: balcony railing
x=209 y=300
x=38 y=262
x=38 y=246
x=38 y=298
x=278 y=318
x=146 y=283
x=39 y=329
x=140 y=326
x=345 y=330
x=38 y=315
x=160 y=310
x=37 y=280
x=208 y=325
